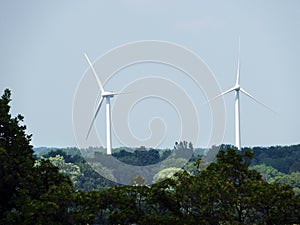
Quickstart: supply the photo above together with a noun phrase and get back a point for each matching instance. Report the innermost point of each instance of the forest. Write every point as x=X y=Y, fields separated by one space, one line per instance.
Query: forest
x=275 y=164
x=257 y=185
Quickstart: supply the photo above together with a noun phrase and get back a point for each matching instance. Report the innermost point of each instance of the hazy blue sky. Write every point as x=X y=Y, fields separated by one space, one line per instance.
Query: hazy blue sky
x=42 y=45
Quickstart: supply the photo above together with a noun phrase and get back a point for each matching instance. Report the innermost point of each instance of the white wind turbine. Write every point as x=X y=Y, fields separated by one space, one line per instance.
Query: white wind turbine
x=237 y=89
x=104 y=95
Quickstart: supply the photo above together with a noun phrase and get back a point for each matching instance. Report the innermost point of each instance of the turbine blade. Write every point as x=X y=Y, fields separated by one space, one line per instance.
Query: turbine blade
x=238 y=66
x=223 y=93
x=259 y=102
x=94 y=72
x=93 y=120
x=121 y=93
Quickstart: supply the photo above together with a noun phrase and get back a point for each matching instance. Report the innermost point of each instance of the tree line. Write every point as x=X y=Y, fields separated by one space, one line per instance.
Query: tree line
x=275 y=164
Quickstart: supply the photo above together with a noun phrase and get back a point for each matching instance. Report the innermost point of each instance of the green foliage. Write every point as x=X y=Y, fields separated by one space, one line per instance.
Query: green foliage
x=70 y=155
x=140 y=157
x=70 y=170
x=83 y=175
x=285 y=159
x=15 y=155
x=227 y=192
x=268 y=173
x=30 y=193
x=165 y=173
x=138 y=181
x=272 y=175
x=174 y=162
x=91 y=180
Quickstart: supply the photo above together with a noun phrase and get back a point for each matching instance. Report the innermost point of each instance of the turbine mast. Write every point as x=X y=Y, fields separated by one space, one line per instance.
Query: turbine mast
x=237 y=120
x=108 y=126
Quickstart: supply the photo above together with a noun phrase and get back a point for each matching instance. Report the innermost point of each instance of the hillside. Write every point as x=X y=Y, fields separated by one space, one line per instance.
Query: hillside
x=275 y=163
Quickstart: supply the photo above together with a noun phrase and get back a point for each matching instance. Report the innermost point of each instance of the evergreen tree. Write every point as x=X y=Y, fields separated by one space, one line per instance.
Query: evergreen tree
x=16 y=159
x=32 y=192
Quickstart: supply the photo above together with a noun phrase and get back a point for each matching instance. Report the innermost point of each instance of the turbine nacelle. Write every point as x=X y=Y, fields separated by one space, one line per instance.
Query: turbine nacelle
x=108 y=94
x=237 y=87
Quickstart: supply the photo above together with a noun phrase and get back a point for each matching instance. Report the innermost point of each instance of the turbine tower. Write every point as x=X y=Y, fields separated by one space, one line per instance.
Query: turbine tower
x=237 y=89
x=107 y=95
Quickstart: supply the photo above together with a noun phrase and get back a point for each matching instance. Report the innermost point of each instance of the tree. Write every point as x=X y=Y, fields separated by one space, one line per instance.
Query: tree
x=70 y=170
x=165 y=173
x=15 y=155
x=272 y=175
x=138 y=181
x=268 y=173
x=30 y=193
x=174 y=162
x=227 y=192
x=91 y=180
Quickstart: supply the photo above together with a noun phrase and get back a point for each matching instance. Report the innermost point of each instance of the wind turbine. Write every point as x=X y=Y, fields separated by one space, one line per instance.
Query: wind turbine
x=107 y=95
x=237 y=89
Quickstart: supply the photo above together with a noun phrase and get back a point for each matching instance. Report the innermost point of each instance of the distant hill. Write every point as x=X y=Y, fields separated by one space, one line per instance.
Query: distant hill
x=285 y=159
x=38 y=149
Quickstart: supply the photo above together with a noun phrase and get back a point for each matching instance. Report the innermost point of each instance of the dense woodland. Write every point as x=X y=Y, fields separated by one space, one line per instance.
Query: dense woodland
x=57 y=186
x=275 y=164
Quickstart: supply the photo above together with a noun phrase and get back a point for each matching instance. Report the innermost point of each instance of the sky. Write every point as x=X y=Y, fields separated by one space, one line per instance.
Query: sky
x=42 y=62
